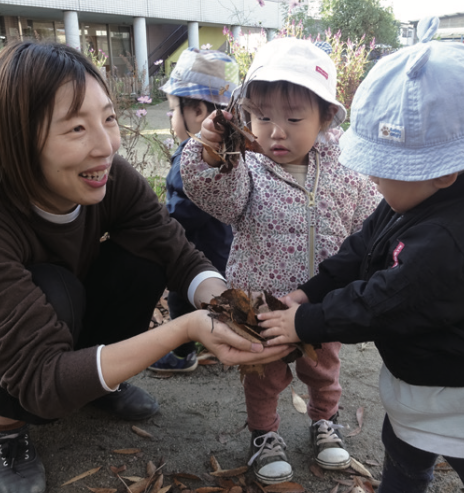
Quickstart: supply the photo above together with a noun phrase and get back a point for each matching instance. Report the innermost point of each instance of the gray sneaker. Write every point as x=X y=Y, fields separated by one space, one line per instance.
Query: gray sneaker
x=21 y=470
x=329 y=449
x=270 y=463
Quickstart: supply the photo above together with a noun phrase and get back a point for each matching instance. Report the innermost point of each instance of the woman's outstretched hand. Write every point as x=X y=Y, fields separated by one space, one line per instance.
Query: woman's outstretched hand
x=228 y=346
x=280 y=325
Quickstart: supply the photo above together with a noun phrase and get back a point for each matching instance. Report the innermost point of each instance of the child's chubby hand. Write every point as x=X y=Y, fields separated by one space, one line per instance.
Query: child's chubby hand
x=212 y=134
x=228 y=346
x=280 y=325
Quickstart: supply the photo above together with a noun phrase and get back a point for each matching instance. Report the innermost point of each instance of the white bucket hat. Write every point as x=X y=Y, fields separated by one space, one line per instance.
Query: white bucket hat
x=407 y=116
x=300 y=62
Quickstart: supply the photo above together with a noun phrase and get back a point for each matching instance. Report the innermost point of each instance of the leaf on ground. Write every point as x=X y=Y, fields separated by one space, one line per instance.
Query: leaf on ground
x=159 y=375
x=359 y=468
x=187 y=475
x=225 y=483
x=260 y=486
x=316 y=470
x=207 y=362
x=127 y=451
x=335 y=489
x=141 y=433
x=157 y=484
x=214 y=463
x=139 y=486
x=345 y=482
x=165 y=489
x=287 y=487
x=133 y=479
x=83 y=475
x=102 y=490
x=151 y=468
x=371 y=462
x=209 y=489
x=180 y=485
x=360 y=418
x=117 y=470
x=298 y=403
x=229 y=473
x=236 y=489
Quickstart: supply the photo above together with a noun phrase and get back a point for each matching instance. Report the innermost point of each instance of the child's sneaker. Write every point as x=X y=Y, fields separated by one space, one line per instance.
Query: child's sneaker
x=270 y=463
x=328 y=446
x=173 y=363
x=21 y=470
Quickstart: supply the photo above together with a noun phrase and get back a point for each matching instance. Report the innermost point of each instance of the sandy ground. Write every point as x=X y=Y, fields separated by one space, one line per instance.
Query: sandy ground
x=203 y=414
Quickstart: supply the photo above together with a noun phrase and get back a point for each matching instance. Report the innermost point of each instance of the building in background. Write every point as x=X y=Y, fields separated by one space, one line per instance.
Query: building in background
x=144 y=30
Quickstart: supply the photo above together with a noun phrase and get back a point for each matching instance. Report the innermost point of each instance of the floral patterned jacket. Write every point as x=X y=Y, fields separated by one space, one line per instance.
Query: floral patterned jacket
x=282 y=231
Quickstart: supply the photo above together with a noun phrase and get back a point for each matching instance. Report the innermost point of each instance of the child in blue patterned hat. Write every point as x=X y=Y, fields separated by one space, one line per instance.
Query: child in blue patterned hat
x=201 y=81
x=400 y=281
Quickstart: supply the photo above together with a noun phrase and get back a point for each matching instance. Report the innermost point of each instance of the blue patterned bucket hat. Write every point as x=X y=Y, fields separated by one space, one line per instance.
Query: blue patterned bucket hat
x=208 y=75
x=407 y=117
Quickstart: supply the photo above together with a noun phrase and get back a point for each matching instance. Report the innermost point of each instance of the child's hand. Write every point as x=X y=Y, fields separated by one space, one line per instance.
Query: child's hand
x=228 y=346
x=280 y=325
x=212 y=134
x=297 y=296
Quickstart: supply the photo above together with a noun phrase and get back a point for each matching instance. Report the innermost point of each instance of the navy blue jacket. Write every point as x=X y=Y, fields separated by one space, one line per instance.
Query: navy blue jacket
x=400 y=283
x=208 y=234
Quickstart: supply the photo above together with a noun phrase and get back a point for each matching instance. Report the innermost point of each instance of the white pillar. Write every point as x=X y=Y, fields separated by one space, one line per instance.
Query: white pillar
x=71 y=29
x=141 y=53
x=193 y=35
x=236 y=30
x=270 y=34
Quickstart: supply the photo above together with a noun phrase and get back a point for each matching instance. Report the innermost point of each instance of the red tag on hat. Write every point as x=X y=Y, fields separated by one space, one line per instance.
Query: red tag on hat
x=322 y=72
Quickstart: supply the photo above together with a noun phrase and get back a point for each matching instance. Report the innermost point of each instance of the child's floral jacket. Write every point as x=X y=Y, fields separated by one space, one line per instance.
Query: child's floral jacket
x=281 y=230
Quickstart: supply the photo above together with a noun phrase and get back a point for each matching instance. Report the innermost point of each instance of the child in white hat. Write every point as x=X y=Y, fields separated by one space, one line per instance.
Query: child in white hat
x=400 y=281
x=290 y=208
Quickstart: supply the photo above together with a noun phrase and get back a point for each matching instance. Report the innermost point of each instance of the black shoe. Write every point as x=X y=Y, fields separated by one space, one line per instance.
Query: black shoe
x=328 y=447
x=128 y=402
x=270 y=463
x=21 y=470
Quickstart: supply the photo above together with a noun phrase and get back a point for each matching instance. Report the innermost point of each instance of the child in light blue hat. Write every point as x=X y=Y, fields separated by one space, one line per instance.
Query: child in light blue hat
x=400 y=281
x=201 y=81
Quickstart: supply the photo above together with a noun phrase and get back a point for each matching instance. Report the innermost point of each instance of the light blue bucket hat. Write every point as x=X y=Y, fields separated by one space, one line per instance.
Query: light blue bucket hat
x=407 y=117
x=208 y=75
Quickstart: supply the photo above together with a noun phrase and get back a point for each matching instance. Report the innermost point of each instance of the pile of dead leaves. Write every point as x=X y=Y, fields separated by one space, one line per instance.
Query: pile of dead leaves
x=239 y=311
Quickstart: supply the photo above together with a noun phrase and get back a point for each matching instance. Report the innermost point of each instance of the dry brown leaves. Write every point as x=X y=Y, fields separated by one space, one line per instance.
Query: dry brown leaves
x=223 y=480
x=239 y=311
x=237 y=137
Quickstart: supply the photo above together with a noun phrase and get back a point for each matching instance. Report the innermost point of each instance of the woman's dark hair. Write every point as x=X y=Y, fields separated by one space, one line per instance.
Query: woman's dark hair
x=30 y=75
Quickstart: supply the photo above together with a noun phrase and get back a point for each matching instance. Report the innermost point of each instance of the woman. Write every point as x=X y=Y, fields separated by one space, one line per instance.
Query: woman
x=74 y=308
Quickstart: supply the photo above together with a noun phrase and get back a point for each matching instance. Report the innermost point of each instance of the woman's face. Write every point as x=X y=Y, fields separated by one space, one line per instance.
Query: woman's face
x=77 y=155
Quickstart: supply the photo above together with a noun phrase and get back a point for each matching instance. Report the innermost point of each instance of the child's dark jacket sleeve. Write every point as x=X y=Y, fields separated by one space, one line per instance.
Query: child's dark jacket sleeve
x=417 y=293
x=180 y=207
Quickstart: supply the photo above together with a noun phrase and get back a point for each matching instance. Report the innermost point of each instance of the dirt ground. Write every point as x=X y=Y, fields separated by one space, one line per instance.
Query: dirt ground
x=203 y=414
